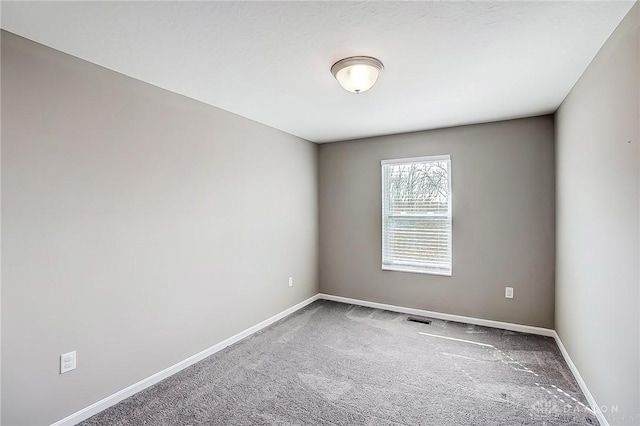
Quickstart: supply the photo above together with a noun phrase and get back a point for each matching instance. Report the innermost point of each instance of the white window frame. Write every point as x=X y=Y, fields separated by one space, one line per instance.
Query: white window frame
x=410 y=266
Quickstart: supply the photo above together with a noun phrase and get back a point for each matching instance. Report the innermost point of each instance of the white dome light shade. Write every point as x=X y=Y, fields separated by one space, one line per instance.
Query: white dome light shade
x=357 y=74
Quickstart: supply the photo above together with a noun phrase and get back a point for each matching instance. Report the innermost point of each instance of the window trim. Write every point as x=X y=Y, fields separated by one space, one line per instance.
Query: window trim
x=407 y=266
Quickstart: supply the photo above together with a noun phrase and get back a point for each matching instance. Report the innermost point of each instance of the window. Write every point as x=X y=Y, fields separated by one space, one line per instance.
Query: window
x=416 y=215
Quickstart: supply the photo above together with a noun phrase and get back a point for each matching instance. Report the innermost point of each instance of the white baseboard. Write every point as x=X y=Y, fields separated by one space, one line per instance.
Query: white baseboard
x=583 y=386
x=447 y=317
x=107 y=402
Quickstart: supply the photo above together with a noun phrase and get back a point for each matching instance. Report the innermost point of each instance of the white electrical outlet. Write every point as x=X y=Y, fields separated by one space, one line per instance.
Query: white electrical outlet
x=67 y=362
x=290 y=281
x=508 y=292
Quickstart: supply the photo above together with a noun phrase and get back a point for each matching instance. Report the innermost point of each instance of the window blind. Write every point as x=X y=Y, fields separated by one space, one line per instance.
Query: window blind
x=416 y=215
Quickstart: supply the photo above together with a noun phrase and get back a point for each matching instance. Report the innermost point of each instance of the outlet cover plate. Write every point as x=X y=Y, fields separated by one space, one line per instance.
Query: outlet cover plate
x=67 y=362
x=508 y=292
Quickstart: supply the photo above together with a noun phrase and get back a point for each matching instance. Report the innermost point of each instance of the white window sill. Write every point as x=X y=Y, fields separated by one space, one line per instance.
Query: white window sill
x=402 y=268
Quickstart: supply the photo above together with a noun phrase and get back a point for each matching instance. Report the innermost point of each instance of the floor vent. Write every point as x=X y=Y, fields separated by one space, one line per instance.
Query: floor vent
x=422 y=320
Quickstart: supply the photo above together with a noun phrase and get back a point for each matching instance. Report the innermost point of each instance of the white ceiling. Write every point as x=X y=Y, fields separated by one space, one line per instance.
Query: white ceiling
x=446 y=63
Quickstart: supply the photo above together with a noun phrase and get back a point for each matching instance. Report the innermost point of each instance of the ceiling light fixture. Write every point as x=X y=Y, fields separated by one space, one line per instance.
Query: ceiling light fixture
x=357 y=74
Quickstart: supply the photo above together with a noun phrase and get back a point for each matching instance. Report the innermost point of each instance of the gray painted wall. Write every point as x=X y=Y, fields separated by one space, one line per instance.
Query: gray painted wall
x=139 y=228
x=598 y=216
x=503 y=221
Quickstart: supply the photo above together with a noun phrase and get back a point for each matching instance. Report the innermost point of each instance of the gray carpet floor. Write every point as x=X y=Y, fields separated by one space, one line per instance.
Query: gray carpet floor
x=338 y=364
